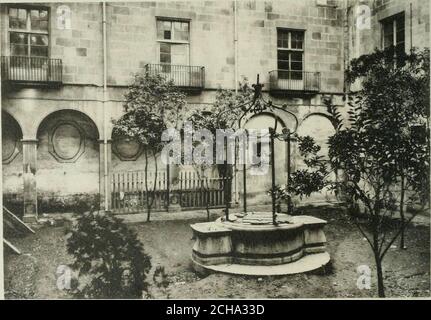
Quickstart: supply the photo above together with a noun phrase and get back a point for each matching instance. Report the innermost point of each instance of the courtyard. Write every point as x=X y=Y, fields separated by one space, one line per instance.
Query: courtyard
x=168 y=240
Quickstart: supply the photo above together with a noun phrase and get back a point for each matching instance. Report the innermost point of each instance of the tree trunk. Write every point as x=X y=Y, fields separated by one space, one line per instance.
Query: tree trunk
x=380 y=284
x=207 y=203
x=150 y=203
x=148 y=210
x=147 y=196
x=403 y=219
x=377 y=257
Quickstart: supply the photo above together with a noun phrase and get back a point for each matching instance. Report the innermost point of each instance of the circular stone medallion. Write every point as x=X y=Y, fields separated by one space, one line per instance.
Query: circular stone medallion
x=67 y=141
x=127 y=148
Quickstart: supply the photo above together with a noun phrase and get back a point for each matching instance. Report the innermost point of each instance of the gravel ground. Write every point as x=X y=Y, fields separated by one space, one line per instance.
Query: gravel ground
x=407 y=272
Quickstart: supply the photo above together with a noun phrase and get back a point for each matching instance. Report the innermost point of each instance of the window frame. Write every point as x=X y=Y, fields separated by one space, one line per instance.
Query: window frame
x=393 y=21
x=290 y=51
x=28 y=31
x=173 y=41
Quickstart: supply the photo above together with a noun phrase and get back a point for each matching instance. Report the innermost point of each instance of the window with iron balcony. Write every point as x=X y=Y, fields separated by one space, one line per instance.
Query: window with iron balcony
x=173 y=45
x=290 y=74
x=29 y=61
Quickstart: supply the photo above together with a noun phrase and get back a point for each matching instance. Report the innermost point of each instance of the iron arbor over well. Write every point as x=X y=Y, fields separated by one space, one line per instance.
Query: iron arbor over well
x=257 y=106
x=252 y=244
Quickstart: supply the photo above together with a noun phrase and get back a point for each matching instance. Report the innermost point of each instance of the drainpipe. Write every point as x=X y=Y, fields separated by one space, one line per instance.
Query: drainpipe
x=235 y=43
x=235 y=19
x=1 y=204
x=347 y=49
x=411 y=26
x=105 y=119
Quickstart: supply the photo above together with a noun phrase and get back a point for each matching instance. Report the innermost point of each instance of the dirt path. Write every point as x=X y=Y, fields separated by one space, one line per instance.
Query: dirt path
x=33 y=274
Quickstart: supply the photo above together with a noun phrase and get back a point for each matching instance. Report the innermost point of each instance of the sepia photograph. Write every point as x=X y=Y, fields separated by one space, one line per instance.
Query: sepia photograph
x=215 y=150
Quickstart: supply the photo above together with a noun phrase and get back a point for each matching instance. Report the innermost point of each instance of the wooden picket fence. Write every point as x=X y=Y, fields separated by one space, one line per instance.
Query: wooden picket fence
x=190 y=191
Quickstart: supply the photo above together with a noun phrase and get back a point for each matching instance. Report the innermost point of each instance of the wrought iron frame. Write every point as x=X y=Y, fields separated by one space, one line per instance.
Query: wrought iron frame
x=258 y=106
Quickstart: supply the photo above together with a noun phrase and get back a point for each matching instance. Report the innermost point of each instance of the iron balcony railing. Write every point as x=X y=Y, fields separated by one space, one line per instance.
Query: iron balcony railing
x=183 y=76
x=287 y=80
x=22 y=69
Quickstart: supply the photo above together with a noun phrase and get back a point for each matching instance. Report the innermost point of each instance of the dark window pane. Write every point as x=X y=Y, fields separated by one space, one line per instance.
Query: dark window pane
x=296 y=56
x=19 y=50
x=40 y=40
x=400 y=21
x=388 y=34
x=283 y=65
x=296 y=75
x=165 y=58
x=283 y=39
x=165 y=53
x=165 y=48
x=283 y=55
x=400 y=36
x=39 y=51
x=298 y=35
x=296 y=66
x=284 y=74
x=400 y=48
x=297 y=40
x=18 y=38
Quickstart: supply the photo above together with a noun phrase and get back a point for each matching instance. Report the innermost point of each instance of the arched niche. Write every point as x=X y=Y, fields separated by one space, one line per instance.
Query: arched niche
x=68 y=159
x=126 y=148
x=320 y=128
x=259 y=184
x=67 y=133
x=11 y=138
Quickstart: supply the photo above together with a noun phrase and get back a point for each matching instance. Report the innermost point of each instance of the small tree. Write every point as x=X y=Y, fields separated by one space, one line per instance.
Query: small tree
x=152 y=105
x=110 y=260
x=372 y=151
x=221 y=115
x=394 y=100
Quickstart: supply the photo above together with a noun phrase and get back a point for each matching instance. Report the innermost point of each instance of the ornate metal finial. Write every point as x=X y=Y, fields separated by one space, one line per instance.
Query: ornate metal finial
x=257 y=89
x=258 y=104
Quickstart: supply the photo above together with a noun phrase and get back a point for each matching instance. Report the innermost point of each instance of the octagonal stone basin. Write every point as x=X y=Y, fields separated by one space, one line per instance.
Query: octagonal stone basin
x=251 y=244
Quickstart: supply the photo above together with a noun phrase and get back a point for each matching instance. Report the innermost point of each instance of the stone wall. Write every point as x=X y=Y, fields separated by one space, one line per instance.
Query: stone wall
x=131 y=39
x=365 y=40
x=331 y=39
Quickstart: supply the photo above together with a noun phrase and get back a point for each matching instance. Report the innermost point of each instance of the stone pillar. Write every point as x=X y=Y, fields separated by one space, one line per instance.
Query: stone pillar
x=29 y=148
x=105 y=175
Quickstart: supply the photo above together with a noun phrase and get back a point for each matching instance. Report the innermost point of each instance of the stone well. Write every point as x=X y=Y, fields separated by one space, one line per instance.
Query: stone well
x=250 y=244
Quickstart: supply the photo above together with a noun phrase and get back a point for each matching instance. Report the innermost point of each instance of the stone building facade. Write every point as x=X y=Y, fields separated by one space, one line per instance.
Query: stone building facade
x=66 y=66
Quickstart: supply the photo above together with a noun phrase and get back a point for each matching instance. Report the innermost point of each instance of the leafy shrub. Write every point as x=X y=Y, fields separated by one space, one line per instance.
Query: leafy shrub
x=281 y=195
x=108 y=257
